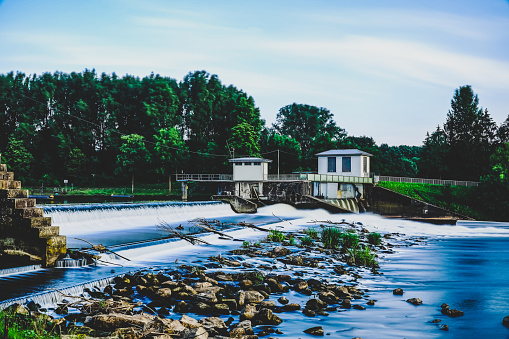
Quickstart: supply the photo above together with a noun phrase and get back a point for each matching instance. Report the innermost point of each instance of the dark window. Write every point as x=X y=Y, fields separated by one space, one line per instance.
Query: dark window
x=238 y=164
x=257 y=163
x=331 y=164
x=247 y=164
x=347 y=164
x=365 y=162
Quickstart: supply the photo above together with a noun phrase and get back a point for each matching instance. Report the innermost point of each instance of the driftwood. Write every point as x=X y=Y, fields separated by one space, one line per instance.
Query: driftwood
x=281 y=219
x=102 y=249
x=332 y=222
x=163 y=226
x=206 y=225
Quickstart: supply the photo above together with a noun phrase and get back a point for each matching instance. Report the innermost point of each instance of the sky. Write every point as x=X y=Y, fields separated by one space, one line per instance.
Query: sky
x=385 y=69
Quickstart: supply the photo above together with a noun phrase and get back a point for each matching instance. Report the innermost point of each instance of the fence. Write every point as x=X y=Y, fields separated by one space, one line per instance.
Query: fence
x=426 y=181
x=204 y=177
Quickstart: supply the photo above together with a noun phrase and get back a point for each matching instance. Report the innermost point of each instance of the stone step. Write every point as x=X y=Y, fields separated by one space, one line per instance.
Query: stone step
x=20 y=203
x=28 y=212
x=6 y=175
x=3 y=168
x=46 y=232
x=56 y=247
x=36 y=222
x=10 y=193
x=10 y=184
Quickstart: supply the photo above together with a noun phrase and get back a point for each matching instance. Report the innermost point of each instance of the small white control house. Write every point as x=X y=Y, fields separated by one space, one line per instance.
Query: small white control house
x=249 y=174
x=340 y=163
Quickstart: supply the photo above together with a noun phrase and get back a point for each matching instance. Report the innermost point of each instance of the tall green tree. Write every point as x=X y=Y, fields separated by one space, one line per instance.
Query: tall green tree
x=18 y=158
x=170 y=152
x=470 y=133
x=133 y=156
x=284 y=151
x=312 y=127
x=245 y=139
x=433 y=161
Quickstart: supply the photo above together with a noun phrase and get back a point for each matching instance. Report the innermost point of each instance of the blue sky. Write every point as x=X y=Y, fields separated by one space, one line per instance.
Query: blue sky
x=386 y=69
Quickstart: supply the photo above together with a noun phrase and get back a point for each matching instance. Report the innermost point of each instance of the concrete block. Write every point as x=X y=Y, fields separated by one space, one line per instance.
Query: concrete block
x=3 y=168
x=56 y=247
x=10 y=193
x=6 y=175
x=20 y=202
x=10 y=184
x=36 y=222
x=46 y=231
x=28 y=212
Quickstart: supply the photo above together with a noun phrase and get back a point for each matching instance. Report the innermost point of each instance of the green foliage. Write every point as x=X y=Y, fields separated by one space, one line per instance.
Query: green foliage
x=22 y=326
x=331 y=237
x=307 y=241
x=245 y=139
x=363 y=257
x=246 y=244
x=18 y=158
x=312 y=233
x=291 y=240
x=350 y=240
x=275 y=236
x=374 y=238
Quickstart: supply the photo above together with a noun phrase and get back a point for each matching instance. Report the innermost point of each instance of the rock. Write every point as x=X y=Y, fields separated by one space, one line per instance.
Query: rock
x=246 y=284
x=434 y=321
x=163 y=294
x=454 y=313
x=444 y=327
x=224 y=277
x=207 y=297
x=308 y=312
x=291 y=307
x=301 y=285
x=241 y=329
x=254 y=297
x=201 y=308
x=169 y=284
x=189 y=322
x=195 y=333
x=315 y=304
x=280 y=251
x=505 y=321
x=347 y=303
x=317 y=330
x=163 y=311
x=221 y=308
x=213 y=323
x=283 y=300
x=112 y=321
x=274 y=285
x=17 y=309
x=329 y=297
x=414 y=301
x=181 y=307
x=248 y=312
x=397 y=291
x=322 y=313
x=358 y=307
x=200 y=286
x=371 y=302
x=342 y=292
x=266 y=317
x=163 y=325
x=268 y=304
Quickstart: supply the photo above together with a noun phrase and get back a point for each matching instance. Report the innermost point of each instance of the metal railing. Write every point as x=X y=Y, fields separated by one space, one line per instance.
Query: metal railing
x=426 y=181
x=285 y=177
x=338 y=178
x=204 y=177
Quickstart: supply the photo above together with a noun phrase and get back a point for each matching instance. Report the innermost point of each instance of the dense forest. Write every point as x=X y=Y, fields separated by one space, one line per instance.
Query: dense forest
x=103 y=129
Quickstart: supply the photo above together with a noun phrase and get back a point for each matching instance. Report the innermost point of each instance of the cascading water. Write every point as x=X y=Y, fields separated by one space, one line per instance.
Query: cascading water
x=347 y=204
x=70 y=262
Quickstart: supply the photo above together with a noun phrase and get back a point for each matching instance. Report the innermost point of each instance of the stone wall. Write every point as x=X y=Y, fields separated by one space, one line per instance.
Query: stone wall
x=26 y=236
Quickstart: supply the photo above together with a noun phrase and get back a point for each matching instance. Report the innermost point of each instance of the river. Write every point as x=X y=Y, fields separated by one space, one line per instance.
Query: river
x=464 y=266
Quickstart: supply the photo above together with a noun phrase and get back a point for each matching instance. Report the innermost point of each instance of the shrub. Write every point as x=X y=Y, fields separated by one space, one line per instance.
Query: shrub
x=312 y=233
x=331 y=237
x=350 y=240
x=306 y=241
x=275 y=236
x=292 y=241
x=374 y=238
x=246 y=244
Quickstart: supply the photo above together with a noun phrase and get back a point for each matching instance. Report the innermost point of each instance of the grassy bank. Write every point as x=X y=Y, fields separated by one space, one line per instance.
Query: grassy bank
x=459 y=199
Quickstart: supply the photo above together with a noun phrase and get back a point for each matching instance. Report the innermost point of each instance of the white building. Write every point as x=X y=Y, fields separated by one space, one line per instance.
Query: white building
x=338 y=163
x=249 y=175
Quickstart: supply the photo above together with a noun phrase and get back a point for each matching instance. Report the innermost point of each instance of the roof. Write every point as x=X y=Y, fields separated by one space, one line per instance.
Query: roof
x=249 y=159
x=343 y=152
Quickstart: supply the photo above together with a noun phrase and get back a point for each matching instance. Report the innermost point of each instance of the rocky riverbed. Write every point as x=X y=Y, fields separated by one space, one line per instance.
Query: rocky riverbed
x=244 y=293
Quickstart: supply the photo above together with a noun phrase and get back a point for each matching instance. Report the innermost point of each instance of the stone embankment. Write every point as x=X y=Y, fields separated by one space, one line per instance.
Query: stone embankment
x=26 y=236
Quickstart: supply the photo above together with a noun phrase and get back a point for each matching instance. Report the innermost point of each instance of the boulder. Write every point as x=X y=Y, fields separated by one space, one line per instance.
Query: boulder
x=112 y=321
x=254 y=297
x=221 y=308
x=315 y=304
x=213 y=323
x=274 y=285
x=505 y=321
x=414 y=301
x=163 y=294
x=397 y=291
x=280 y=251
x=241 y=329
x=347 y=303
x=195 y=333
x=283 y=300
x=207 y=297
x=328 y=297
x=317 y=330
x=266 y=317
x=291 y=307
x=308 y=312
x=246 y=284
x=189 y=322
x=301 y=285
x=248 y=312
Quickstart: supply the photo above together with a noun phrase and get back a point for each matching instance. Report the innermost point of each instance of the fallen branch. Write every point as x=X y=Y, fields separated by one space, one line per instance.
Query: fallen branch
x=163 y=226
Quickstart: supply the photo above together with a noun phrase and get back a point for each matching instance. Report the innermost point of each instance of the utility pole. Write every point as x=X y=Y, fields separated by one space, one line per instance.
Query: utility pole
x=278 y=164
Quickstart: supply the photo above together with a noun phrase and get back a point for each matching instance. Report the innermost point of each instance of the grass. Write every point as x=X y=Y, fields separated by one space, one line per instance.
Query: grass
x=459 y=199
x=306 y=241
x=275 y=236
x=20 y=326
x=312 y=233
x=374 y=238
x=350 y=240
x=330 y=237
x=363 y=257
x=141 y=189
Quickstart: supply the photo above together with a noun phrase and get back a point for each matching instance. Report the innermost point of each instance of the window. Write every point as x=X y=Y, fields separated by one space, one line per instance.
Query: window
x=247 y=164
x=331 y=164
x=257 y=163
x=365 y=164
x=238 y=164
x=347 y=164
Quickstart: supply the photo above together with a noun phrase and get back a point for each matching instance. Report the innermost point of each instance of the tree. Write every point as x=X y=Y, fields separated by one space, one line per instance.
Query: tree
x=503 y=131
x=470 y=134
x=281 y=149
x=312 y=127
x=170 y=152
x=133 y=156
x=18 y=158
x=433 y=162
x=245 y=139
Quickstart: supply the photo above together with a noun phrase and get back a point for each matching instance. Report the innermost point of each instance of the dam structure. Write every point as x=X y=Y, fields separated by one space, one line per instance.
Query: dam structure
x=26 y=235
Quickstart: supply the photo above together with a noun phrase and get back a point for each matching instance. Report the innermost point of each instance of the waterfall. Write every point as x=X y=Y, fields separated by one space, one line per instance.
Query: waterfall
x=347 y=204
x=96 y=218
x=70 y=262
x=52 y=297
x=17 y=270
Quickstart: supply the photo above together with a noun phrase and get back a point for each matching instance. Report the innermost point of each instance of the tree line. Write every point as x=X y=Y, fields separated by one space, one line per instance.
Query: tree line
x=104 y=129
